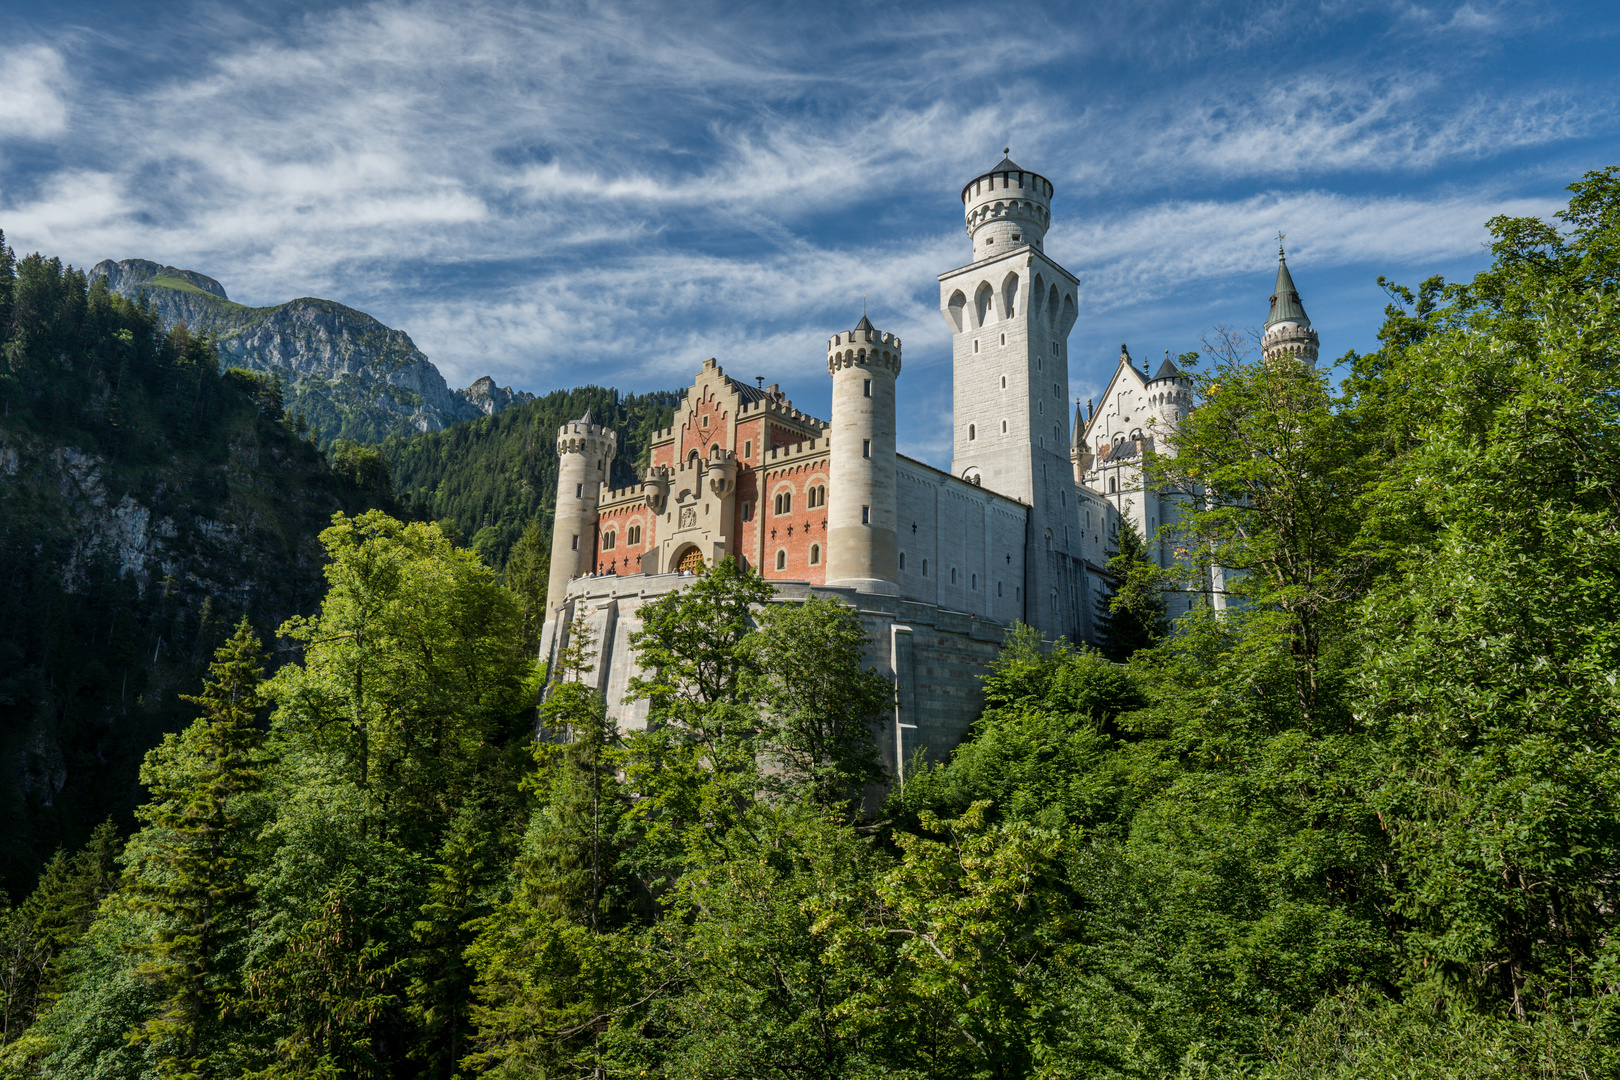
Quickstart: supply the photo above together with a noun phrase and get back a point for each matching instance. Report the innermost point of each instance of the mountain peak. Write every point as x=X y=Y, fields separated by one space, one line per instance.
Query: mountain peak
x=124 y=275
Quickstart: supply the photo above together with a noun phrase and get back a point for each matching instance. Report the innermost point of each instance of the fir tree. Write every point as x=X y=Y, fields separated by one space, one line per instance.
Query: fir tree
x=187 y=866
x=1132 y=615
x=526 y=570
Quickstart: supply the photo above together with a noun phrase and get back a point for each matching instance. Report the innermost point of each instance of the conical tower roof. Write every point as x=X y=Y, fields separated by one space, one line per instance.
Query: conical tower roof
x=1285 y=305
x=1167 y=370
x=1079 y=427
x=588 y=418
x=865 y=324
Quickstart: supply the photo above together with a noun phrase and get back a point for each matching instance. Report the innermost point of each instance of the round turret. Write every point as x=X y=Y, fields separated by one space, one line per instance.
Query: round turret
x=862 y=538
x=584 y=450
x=1288 y=329
x=1007 y=208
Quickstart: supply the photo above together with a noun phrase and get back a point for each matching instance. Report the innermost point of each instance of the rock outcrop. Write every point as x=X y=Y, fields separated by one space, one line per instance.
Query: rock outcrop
x=351 y=376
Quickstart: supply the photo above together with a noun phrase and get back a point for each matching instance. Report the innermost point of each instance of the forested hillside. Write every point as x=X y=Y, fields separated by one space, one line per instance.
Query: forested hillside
x=492 y=476
x=147 y=501
x=1364 y=823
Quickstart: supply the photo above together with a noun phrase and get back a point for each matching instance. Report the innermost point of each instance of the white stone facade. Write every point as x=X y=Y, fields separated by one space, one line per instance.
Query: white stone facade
x=938 y=564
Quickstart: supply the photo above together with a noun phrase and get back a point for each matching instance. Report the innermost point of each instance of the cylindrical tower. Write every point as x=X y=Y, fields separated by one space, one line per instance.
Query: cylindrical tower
x=584 y=449
x=862 y=538
x=1288 y=329
x=1007 y=208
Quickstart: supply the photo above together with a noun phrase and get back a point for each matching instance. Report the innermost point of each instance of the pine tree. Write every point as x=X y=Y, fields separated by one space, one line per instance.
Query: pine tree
x=1133 y=614
x=526 y=570
x=187 y=865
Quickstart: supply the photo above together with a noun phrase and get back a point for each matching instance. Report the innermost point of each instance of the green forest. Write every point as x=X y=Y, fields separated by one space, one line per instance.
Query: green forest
x=1362 y=823
x=490 y=478
x=148 y=500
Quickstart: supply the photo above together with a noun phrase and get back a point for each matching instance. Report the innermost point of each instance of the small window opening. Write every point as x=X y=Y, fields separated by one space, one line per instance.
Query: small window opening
x=925 y=568
x=971 y=433
x=902 y=560
x=815 y=554
x=866 y=515
x=866 y=448
x=866 y=388
x=781 y=560
x=953 y=575
x=579 y=491
x=576 y=543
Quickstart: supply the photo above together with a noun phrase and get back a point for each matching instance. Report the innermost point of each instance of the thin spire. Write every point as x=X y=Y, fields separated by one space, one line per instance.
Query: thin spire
x=1285 y=303
x=1079 y=425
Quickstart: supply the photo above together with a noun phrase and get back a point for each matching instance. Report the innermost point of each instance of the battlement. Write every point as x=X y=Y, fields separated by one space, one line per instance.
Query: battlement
x=810 y=448
x=863 y=338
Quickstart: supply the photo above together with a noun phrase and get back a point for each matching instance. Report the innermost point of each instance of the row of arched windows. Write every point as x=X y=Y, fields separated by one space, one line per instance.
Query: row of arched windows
x=815 y=556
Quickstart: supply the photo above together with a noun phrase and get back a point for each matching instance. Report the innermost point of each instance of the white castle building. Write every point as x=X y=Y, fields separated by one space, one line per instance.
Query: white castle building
x=937 y=564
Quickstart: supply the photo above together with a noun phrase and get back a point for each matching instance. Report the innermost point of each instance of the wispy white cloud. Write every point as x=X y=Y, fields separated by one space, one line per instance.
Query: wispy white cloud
x=551 y=193
x=33 y=84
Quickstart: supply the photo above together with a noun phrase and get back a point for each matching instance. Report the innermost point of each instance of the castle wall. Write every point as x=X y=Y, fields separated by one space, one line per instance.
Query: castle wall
x=933 y=656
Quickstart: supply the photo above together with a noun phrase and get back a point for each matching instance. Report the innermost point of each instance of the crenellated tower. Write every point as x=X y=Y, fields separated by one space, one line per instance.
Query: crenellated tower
x=584 y=450
x=1288 y=329
x=1009 y=312
x=862 y=537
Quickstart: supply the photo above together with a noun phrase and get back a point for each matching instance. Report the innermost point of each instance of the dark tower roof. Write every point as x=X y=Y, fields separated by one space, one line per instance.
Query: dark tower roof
x=865 y=324
x=1079 y=428
x=1285 y=305
x=1167 y=370
x=1008 y=165
x=588 y=418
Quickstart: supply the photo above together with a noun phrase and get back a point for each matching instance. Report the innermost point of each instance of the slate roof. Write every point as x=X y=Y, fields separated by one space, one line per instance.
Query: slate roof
x=1285 y=305
x=1167 y=370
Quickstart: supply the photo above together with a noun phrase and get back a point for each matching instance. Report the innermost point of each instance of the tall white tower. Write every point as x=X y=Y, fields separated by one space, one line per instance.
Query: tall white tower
x=1010 y=311
x=584 y=451
x=862 y=539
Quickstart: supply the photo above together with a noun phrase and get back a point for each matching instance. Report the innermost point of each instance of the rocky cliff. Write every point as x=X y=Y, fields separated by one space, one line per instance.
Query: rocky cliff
x=348 y=374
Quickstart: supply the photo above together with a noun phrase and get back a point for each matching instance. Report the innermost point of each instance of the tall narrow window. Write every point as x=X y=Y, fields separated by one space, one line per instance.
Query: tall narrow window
x=781 y=560
x=748 y=448
x=1004 y=427
x=972 y=434
x=579 y=491
x=866 y=515
x=1004 y=339
x=902 y=560
x=975 y=582
x=925 y=568
x=576 y=543
x=1004 y=382
x=815 y=554
x=866 y=448
x=866 y=388
x=953 y=575
x=748 y=510
x=998 y=588
x=975 y=344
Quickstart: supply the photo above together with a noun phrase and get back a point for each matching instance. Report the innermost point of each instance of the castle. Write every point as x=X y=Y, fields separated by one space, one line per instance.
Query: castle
x=937 y=564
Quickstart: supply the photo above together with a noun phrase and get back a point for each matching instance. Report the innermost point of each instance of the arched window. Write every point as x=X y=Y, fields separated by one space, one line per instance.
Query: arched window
x=975 y=582
x=815 y=554
x=1054 y=599
x=925 y=568
x=998 y=588
x=1004 y=427
x=1112 y=484
x=633 y=536
x=784 y=502
x=972 y=433
x=1004 y=382
x=610 y=540
x=781 y=560
x=953 y=575
x=692 y=458
x=902 y=560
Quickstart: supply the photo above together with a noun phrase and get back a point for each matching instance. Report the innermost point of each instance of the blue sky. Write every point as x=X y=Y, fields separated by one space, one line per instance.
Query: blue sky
x=609 y=193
